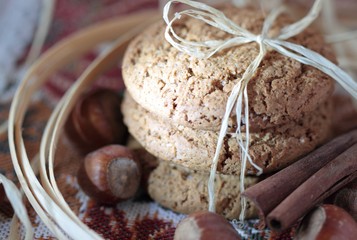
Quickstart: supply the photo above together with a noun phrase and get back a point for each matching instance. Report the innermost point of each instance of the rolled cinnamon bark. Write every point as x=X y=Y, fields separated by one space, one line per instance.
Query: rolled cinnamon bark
x=267 y=194
x=330 y=178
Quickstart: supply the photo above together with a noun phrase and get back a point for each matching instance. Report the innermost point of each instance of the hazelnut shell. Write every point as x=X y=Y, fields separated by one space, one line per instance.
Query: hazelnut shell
x=110 y=174
x=205 y=226
x=327 y=222
x=96 y=121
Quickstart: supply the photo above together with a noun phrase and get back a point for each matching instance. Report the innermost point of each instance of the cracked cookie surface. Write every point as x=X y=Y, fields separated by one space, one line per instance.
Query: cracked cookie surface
x=193 y=92
x=185 y=191
x=271 y=149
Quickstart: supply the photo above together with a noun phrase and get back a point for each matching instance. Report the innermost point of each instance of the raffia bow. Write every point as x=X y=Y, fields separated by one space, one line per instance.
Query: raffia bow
x=206 y=49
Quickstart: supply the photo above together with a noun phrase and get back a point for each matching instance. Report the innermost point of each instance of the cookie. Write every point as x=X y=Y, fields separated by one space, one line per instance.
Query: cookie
x=185 y=191
x=271 y=149
x=193 y=92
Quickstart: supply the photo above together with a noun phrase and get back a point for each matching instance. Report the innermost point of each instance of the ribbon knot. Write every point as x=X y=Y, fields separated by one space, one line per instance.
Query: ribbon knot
x=178 y=15
x=206 y=49
x=260 y=39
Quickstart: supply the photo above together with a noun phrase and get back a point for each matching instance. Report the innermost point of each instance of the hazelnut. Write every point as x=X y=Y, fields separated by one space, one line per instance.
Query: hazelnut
x=206 y=226
x=327 y=222
x=96 y=121
x=110 y=174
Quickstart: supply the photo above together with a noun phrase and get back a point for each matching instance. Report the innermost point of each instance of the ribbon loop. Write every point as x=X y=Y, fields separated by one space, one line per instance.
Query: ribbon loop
x=299 y=26
x=271 y=19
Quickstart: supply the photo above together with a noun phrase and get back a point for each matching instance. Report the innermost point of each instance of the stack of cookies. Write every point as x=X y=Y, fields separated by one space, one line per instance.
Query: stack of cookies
x=175 y=103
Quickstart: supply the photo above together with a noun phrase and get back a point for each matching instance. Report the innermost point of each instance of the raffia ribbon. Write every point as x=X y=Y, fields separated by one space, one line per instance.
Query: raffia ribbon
x=240 y=36
x=15 y=197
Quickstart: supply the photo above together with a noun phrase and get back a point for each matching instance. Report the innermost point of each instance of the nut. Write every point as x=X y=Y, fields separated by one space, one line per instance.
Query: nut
x=110 y=174
x=205 y=225
x=96 y=121
x=328 y=222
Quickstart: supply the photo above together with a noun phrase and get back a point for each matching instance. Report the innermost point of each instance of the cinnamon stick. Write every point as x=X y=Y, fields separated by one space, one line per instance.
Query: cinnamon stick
x=267 y=194
x=330 y=178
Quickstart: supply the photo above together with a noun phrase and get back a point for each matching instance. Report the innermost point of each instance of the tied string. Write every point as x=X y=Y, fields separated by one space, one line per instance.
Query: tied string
x=240 y=36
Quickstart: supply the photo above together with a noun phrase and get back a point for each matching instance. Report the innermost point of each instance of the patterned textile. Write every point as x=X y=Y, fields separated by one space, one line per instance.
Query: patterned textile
x=139 y=218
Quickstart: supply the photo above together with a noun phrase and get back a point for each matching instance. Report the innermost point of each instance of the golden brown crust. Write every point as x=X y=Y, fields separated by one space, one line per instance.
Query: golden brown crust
x=193 y=92
x=271 y=148
x=185 y=191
